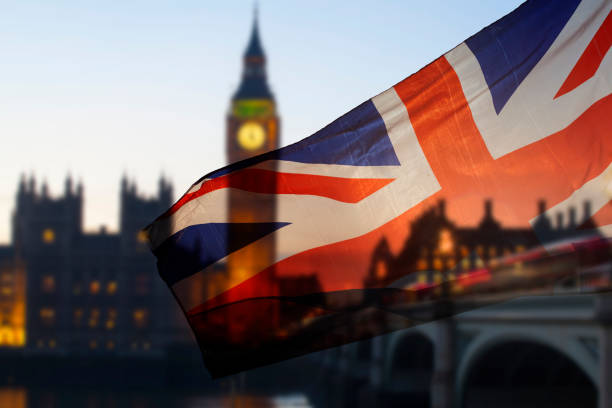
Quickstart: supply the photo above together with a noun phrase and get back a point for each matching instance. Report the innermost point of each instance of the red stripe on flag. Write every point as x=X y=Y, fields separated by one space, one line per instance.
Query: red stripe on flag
x=343 y=189
x=591 y=58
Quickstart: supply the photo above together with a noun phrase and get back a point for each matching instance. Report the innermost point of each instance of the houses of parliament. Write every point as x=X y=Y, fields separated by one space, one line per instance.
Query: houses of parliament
x=64 y=291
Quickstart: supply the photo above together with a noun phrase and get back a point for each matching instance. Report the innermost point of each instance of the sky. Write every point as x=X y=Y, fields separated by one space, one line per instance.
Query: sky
x=101 y=89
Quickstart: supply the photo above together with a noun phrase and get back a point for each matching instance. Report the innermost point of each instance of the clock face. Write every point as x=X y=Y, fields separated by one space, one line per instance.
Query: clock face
x=251 y=136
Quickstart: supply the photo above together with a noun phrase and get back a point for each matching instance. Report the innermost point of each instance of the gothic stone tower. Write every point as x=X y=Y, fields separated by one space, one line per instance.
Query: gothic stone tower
x=252 y=129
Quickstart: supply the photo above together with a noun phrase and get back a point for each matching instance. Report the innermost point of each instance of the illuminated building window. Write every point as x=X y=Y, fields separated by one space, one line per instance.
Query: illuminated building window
x=48 y=284
x=111 y=287
x=446 y=244
x=437 y=264
x=52 y=343
x=94 y=287
x=110 y=321
x=381 y=270
x=140 y=317
x=94 y=318
x=450 y=263
x=518 y=268
x=465 y=251
x=492 y=252
x=480 y=250
x=93 y=344
x=110 y=345
x=422 y=264
x=142 y=237
x=465 y=264
x=48 y=236
x=6 y=291
x=479 y=263
x=422 y=277
x=12 y=336
x=437 y=278
x=47 y=315
x=519 y=248
x=78 y=316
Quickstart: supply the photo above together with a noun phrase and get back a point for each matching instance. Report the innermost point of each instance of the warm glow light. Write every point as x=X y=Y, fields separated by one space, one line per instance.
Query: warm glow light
x=381 y=270
x=14 y=397
x=110 y=322
x=47 y=315
x=94 y=287
x=251 y=136
x=111 y=288
x=437 y=278
x=446 y=244
x=48 y=236
x=48 y=283
x=142 y=237
x=94 y=317
x=140 y=317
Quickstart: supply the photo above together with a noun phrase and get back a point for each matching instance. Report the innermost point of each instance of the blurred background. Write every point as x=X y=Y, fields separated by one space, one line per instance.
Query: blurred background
x=111 y=110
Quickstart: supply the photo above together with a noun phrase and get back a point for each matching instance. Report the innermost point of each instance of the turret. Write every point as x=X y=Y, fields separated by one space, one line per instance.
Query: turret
x=442 y=208
x=572 y=219
x=32 y=185
x=68 y=186
x=488 y=222
x=79 y=189
x=45 y=190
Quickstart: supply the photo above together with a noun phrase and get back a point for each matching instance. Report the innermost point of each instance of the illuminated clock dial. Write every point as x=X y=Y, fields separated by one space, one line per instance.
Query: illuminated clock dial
x=251 y=136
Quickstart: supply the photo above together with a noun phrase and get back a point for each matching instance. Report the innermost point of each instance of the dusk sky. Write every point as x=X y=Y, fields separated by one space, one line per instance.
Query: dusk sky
x=99 y=89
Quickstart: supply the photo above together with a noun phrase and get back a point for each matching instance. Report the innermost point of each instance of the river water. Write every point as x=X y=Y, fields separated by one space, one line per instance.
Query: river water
x=22 y=397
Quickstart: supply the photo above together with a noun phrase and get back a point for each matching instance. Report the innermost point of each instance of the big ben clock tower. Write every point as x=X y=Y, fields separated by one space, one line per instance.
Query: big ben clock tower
x=252 y=129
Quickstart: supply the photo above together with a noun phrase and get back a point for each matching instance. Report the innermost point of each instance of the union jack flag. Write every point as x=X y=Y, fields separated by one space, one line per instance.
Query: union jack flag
x=517 y=112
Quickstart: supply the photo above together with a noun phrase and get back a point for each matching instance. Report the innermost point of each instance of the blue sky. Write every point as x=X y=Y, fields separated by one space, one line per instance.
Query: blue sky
x=98 y=89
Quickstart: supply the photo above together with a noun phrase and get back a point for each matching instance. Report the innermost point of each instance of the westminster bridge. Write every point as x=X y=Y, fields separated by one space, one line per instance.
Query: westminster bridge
x=528 y=352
